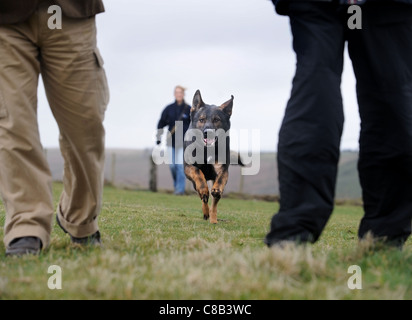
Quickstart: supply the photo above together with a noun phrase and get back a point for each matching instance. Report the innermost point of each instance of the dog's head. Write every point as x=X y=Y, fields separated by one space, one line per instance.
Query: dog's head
x=210 y=119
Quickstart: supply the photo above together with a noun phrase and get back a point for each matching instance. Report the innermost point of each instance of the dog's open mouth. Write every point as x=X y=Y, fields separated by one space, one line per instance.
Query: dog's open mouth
x=210 y=141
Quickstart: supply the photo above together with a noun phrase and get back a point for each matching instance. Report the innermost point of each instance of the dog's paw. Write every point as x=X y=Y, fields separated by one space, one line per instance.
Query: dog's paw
x=216 y=193
x=205 y=217
x=204 y=197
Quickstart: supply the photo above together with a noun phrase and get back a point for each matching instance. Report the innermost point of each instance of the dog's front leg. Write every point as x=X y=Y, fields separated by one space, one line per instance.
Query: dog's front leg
x=195 y=175
x=217 y=190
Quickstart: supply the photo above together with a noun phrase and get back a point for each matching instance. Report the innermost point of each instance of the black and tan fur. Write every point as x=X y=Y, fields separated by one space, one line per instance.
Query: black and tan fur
x=208 y=119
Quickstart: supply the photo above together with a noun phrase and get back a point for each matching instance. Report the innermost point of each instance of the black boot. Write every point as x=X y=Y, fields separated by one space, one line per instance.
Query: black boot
x=24 y=245
x=93 y=239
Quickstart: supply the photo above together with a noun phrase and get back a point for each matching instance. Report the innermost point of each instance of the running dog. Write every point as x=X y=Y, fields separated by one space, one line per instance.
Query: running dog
x=207 y=151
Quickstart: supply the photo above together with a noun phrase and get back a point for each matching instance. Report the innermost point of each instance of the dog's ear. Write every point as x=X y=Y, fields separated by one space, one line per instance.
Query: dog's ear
x=197 y=102
x=227 y=107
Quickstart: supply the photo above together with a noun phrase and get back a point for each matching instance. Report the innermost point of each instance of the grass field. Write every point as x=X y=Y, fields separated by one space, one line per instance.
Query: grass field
x=156 y=246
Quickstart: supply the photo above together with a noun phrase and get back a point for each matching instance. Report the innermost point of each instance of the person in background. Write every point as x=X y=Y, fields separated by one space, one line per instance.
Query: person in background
x=380 y=47
x=71 y=67
x=177 y=117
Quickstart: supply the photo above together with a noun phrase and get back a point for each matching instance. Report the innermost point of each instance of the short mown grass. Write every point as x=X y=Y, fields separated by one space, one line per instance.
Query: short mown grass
x=157 y=246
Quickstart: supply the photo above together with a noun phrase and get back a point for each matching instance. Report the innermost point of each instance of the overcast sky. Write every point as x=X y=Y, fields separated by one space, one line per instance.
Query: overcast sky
x=222 y=47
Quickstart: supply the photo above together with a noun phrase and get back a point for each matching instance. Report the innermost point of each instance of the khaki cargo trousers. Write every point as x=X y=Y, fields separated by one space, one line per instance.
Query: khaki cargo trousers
x=76 y=88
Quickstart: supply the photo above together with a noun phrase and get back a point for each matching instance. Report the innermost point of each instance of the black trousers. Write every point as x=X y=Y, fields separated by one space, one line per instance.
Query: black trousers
x=309 y=139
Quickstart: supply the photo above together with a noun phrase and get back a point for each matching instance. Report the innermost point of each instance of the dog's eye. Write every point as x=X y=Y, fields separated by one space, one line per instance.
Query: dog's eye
x=216 y=120
x=202 y=120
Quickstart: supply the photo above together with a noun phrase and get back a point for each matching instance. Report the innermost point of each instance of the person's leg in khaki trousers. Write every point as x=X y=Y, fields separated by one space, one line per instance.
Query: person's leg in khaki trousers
x=76 y=88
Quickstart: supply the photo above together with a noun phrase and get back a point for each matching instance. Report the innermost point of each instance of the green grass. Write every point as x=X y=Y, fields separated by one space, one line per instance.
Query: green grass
x=157 y=246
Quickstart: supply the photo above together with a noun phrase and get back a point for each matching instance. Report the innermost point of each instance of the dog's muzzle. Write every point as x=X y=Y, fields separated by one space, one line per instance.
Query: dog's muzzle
x=209 y=137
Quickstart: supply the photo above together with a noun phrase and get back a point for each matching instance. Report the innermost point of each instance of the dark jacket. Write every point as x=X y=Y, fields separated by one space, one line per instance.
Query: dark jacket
x=282 y=5
x=14 y=11
x=171 y=114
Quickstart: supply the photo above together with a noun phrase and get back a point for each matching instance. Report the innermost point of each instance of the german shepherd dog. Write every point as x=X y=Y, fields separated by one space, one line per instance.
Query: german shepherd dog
x=207 y=151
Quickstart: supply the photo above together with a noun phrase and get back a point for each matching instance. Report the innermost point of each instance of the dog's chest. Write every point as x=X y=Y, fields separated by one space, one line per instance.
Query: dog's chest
x=208 y=171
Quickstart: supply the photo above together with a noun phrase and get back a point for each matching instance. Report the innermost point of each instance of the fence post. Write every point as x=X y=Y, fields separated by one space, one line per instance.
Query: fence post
x=153 y=175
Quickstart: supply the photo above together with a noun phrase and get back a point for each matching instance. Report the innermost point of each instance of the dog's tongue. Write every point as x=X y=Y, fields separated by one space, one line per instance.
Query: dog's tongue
x=209 y=141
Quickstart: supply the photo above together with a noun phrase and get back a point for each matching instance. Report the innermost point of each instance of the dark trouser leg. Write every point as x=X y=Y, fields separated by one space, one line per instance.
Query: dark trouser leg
x=309 y=139
x=382 y=58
